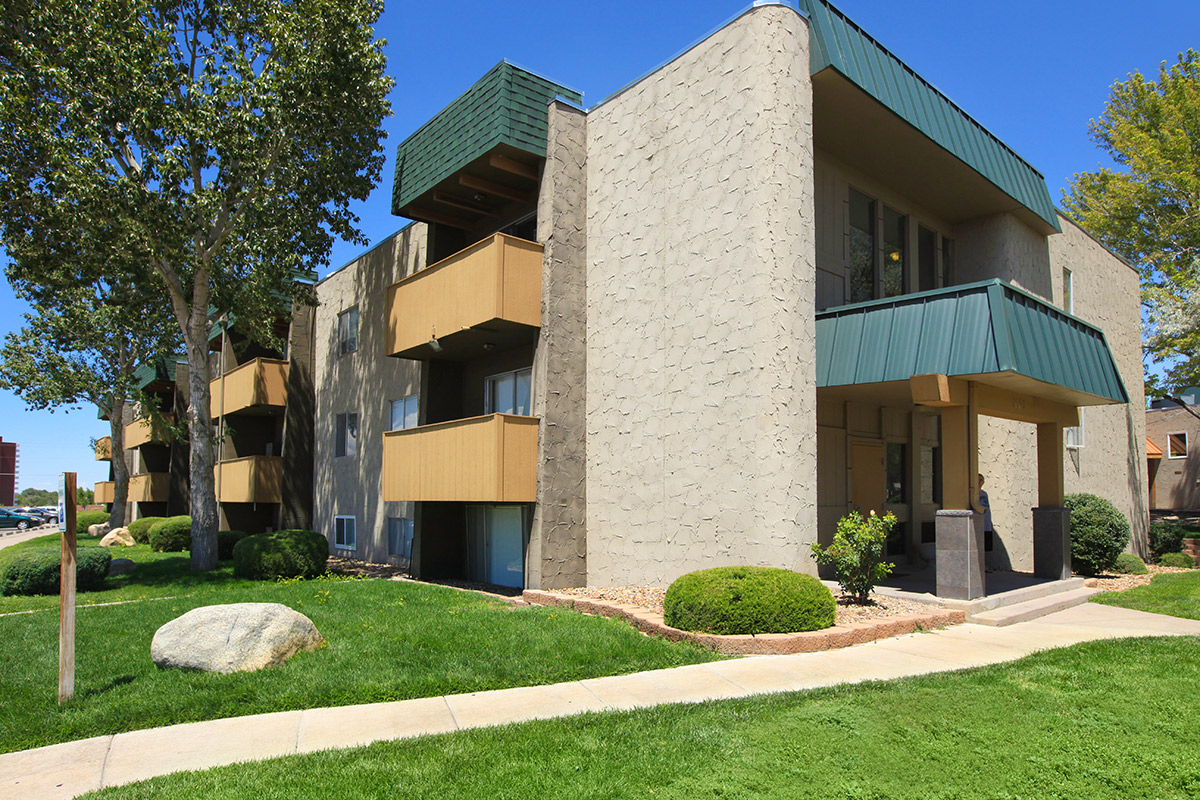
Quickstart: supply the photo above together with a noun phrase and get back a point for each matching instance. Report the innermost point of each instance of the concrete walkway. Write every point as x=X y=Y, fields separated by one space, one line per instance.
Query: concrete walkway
x=65 y=770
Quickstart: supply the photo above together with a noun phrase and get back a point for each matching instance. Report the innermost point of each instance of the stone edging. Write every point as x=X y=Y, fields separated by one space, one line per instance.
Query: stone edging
x=763 y=644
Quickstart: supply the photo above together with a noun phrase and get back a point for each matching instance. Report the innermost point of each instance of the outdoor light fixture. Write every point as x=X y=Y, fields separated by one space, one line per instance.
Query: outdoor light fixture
x=434 y=344
x=489 y=346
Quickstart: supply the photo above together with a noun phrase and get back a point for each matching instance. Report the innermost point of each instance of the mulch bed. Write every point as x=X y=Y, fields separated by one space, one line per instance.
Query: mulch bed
x=1119 y=583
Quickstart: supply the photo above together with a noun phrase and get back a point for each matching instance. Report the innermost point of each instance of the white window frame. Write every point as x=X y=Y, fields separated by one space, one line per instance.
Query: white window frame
x=489 y=402
x=404 y=417
x=1073 y=437
x=341 y=426
x=347 y=339
x=339 y=532
x=1068 y=291
x=1185 y=444
x=412 y=527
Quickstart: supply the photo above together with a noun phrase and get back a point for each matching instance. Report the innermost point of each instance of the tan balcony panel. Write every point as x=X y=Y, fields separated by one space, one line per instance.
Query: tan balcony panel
x=488 y=296
x=258 y=386
x=104 y=449
x=140 y=432
x=490 y=459
x=104 y=492
x=253 y=479
x=149 y=487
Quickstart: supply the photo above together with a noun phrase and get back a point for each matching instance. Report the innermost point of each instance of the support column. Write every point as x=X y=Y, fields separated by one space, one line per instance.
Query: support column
x=1051 y=522
x=960 y=567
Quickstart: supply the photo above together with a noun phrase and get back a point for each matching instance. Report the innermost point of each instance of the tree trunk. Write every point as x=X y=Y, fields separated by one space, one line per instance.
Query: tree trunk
x=203 y=483
x=116 y=421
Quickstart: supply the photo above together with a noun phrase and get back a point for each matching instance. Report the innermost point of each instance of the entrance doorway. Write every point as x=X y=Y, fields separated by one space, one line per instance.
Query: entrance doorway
x=496 y=544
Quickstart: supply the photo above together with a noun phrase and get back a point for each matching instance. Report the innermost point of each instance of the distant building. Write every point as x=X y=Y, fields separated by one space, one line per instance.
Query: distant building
x=8 y=472
x=1175 y=432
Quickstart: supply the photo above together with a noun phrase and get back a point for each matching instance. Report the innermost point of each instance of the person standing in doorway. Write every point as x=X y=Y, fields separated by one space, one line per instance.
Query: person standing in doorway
x=989 y=534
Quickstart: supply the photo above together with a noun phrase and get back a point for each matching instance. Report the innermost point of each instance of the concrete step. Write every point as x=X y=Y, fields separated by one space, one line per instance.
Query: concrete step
x=1000 y=597
x=1032 y=609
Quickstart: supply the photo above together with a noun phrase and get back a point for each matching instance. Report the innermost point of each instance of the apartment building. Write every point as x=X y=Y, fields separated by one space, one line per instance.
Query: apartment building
x=1173 y=452
x=778 y=278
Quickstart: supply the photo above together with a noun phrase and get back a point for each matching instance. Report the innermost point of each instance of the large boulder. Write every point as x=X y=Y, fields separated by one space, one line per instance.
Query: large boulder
x=239 y=637
x=117 y=536
x=99 y=529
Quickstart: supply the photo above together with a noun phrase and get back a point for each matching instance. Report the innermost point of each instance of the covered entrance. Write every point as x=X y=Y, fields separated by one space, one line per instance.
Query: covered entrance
x=916 y=372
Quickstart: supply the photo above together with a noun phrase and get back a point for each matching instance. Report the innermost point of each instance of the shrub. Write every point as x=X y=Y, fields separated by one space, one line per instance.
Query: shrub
x=225 y=542
x=1129 y=564
x=1167 y=537
x=86 y=519
x=1177 y=560
x=37 y=571
x=1099 y=533
x=171 y=535
x=856 y=553
x=748 y=600
x=281 y=554
x=139 y=529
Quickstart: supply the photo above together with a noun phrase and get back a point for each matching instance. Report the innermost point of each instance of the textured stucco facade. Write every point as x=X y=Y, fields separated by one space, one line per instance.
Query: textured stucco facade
x=362 y=382
x=1176 y=480
x=701 y=407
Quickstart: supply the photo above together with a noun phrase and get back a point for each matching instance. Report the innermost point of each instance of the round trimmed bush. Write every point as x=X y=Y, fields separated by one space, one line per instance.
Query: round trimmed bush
x=86 y=519
x=748 y=600
x=1129 y=564
x=37 y=571
x=1167 y=537
x=171 y=535
x=139 y=529
x=281 y=554
x=1177 y=560
x=226 y=541
x=1099 y=533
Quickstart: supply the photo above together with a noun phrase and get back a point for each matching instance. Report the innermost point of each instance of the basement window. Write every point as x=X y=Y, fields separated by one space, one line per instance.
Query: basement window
x=343 y=532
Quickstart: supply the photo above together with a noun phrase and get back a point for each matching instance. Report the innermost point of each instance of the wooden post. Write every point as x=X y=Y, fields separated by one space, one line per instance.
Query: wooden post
x=66 y=615
x=1050 y=465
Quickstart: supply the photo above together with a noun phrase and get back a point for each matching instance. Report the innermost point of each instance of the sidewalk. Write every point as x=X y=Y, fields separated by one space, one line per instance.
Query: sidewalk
x=65 y=770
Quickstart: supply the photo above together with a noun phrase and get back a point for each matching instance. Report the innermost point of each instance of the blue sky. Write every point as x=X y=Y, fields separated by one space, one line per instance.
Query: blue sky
x=1031 y=71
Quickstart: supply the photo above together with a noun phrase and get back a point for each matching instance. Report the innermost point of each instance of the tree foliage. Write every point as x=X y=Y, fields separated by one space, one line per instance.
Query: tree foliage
x=217 y=143
x=37 y=497
x=1147 y=208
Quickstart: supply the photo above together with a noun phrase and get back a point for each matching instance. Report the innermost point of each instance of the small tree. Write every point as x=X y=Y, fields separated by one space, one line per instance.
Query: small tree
x=856 y=553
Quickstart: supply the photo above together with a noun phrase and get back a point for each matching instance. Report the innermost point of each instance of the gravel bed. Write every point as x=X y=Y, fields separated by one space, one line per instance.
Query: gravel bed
x=651 y=598
x=1119 y=583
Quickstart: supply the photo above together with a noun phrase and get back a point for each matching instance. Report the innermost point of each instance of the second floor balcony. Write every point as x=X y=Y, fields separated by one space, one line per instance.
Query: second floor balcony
x=104 y=449
x=144 y=431
x=258 y=386
x=149 y=487
x=104 y=491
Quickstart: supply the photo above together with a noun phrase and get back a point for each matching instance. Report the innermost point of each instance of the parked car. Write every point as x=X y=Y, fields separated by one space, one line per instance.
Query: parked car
x=11 y=519
x=32 y=513
x=49 y=513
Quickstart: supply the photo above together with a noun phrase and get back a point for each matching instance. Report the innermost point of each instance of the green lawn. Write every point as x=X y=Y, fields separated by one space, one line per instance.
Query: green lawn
x=1176 y=593
x=1109 y=719
x=386 y=640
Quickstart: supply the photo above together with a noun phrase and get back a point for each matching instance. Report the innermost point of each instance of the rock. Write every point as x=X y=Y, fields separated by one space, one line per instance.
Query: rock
x=97 y=530
x=117 y=536
x=239 y=637
x=120 y=566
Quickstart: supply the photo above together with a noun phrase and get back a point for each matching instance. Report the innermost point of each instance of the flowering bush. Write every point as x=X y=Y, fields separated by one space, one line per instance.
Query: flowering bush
x=856 y=553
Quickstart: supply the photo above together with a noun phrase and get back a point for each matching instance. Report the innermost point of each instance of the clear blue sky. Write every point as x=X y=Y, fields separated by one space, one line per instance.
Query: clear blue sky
x=1032 y=71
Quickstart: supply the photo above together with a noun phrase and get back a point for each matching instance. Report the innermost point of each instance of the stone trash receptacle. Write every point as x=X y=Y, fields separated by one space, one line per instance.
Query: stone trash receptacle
x=238 y=637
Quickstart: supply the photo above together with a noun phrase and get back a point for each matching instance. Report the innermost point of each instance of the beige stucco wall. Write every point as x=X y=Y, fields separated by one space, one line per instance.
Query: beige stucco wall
x=701 y=417
x=1177 y=480
x=365 y=382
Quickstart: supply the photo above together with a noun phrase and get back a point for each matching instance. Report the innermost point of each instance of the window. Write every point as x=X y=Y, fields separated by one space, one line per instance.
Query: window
x=343 y=532
x=404 y=413
x=400 y=537
x=897 y=473
x=1073 y=436
x=348 y=331
x=927 y=273
x=345 y=438
x=508 y=393
x=895 y=237
x=1176 y=445
x=861 y=258
x=1068 y=291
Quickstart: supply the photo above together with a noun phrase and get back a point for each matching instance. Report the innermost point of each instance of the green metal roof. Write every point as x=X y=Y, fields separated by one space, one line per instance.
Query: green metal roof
x=974 y=329
x=160 y=369
x=507 y=105
x=835 y=41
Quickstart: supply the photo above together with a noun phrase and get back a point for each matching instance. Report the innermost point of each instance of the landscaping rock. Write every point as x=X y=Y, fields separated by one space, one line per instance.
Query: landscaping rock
x=120 y=566
x=239 y=637
x=98 y=530
x=117 y=536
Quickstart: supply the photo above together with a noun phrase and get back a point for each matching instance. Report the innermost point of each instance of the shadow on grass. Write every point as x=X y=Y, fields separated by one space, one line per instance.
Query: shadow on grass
x=96 y=691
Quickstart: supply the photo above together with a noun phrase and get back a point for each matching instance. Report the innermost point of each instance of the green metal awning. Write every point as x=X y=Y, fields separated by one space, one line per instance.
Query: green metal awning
x=989 y=331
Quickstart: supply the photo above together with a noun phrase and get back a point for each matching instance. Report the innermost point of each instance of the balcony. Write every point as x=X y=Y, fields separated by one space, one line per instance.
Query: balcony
x=104 y=492
x=253 y=479
x=142 y=431
x=491 y=459
x=149 y=487
x=485 y=297
x=104 y=449
x=259 y=386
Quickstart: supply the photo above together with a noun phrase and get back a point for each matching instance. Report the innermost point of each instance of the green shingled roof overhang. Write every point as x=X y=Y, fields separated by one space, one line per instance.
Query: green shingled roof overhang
x=504 y=109
x=835 y=41
x=990 y=332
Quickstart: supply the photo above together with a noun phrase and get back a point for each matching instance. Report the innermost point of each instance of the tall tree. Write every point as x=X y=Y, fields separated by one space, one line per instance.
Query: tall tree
x=1147 y=208
x=228 y=136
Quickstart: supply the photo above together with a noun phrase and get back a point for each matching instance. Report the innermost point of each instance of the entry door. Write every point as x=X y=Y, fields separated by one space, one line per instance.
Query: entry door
x=868 y=477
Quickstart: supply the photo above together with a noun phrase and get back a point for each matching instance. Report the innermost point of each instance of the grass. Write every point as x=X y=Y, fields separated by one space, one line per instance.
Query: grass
x=1109 y=719
x=1174 y=593
x=386 y=640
